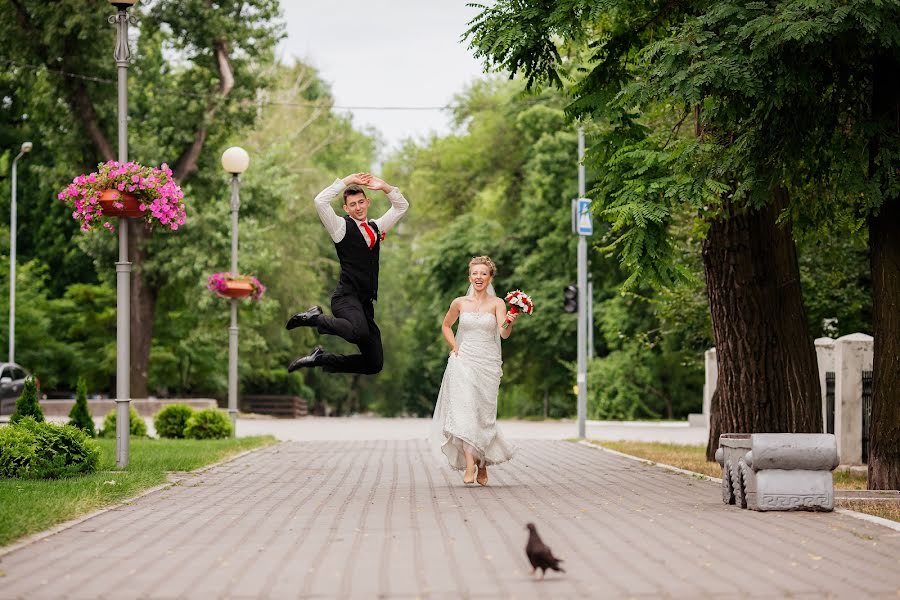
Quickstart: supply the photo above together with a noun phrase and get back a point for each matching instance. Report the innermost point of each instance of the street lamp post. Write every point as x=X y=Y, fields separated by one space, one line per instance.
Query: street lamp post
x=581 y=338
x=235 y=160
x=26 y=147
x=123 y=266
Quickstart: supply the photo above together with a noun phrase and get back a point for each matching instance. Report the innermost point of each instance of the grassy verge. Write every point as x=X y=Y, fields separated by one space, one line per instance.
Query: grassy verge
x=693 y=458
x=28 y=506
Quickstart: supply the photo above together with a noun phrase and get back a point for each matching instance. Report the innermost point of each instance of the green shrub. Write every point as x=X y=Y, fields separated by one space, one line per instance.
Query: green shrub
x=136 y=424
x=274 y=381
x=27 y=405
x=171 y=420
x=208 y=424
x=32 y=450
x=80 y=416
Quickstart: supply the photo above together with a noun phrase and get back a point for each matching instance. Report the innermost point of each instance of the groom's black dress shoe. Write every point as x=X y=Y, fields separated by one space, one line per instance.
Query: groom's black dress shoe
x=305 y=319
x=311 y=360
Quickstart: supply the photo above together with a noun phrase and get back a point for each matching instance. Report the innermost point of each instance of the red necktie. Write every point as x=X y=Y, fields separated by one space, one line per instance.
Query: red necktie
x=371 y=235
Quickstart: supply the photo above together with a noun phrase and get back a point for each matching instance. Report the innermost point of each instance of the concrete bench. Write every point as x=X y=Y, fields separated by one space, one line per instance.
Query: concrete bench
x=778 y=471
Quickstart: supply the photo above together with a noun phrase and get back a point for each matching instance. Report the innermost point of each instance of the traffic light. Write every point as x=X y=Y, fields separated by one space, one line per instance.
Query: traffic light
x=570 y=299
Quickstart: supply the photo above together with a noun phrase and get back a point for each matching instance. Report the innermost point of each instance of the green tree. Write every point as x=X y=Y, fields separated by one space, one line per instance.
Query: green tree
x=27 y=405
x=757 y=81
x=517 y=211
x=80 y=415
x=191 y=96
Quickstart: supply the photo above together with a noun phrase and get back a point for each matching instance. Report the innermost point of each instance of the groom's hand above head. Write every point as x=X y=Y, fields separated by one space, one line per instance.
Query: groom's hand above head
x=374 y=183
x=357 y=179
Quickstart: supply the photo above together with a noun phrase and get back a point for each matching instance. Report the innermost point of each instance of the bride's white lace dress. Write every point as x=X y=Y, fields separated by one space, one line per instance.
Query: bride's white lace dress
x=466 y=409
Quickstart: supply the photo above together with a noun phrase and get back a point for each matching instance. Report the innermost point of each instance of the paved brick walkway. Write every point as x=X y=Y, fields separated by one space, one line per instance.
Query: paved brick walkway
x=380 y=519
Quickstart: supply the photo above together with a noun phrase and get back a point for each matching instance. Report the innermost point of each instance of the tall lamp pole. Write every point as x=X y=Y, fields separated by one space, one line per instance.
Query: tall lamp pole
x=123 y=266
x=26 y=147
x=582 y=338
x=235 y=160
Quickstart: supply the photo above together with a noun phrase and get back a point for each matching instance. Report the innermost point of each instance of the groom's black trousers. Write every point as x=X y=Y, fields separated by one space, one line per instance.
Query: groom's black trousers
x=353 y=320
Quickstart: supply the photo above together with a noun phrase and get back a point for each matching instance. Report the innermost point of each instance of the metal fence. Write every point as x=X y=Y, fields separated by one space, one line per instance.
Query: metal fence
x=829 y=402
x=866 y=413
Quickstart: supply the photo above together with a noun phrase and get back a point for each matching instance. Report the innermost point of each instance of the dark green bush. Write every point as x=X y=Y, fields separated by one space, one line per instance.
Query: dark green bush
x=136 y=424
x=171 y=420
x=27 y=405
x=32 y=450
x=208 y=424
x=274 y=381
x=80 y=416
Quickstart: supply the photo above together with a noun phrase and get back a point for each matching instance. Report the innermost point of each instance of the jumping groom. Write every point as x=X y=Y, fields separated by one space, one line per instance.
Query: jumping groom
x=358 y=244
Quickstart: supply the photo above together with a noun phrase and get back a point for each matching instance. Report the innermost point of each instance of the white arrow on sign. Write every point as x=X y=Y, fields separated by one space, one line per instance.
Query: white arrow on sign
x=585 y=224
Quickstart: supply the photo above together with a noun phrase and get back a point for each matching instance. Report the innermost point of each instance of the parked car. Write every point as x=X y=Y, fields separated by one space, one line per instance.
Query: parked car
x=12 y=380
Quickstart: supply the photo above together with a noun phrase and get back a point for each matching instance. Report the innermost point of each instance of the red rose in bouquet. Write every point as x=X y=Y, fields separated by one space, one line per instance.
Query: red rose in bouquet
x=518 y=302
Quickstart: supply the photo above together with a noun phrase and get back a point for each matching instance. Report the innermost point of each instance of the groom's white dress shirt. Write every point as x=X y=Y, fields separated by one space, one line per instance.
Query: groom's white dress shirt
x=337 y=226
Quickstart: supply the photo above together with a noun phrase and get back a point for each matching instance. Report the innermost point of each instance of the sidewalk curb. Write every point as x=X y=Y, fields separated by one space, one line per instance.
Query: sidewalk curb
x=646 y=461
x=36 y=537
x=845 y=511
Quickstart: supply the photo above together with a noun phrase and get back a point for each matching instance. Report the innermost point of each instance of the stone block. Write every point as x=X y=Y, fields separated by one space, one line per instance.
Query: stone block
x=853 y=355
x=825 y=362
x=778 y=471
x=711 y=380
x=697 y=420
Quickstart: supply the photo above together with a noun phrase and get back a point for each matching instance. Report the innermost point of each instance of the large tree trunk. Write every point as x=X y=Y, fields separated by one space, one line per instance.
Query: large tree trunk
x=884 y=436
x=143 y=309
x=768 y=377
x=884 y=247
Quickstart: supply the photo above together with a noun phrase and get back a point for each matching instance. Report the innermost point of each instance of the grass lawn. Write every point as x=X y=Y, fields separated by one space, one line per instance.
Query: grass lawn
x=29 y=506
x=693 y=458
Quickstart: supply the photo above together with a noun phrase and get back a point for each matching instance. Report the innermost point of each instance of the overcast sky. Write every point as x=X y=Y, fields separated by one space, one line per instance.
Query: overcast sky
x=387 y=53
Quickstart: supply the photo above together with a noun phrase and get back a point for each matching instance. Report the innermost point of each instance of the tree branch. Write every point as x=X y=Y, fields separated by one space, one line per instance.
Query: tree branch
x=187 y=162
x=76 y=94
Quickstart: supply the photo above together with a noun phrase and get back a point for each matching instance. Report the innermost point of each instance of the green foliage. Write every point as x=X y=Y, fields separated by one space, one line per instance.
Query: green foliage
x=517 y=210
x=171 y=421
x=136 y=425
x=27 y=405
x=275 y=381
x=208 y=424
x=80 y=416
x=67 y=320
x=779 y=95
x=837 y=284
x=33 y=450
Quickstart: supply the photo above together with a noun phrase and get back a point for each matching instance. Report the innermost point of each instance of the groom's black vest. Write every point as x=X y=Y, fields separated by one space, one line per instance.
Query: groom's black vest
x=359 y=265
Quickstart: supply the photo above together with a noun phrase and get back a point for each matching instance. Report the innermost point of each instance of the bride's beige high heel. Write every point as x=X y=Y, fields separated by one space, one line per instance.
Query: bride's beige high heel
x=482 y=478
x=469 y=479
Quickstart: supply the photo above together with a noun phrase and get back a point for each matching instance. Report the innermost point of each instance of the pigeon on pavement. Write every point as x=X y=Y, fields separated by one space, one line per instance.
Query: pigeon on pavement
x=539 y=555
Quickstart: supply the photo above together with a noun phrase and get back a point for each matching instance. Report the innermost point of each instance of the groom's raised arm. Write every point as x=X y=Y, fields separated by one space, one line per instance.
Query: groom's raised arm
x=335 y=225
x=399 y=204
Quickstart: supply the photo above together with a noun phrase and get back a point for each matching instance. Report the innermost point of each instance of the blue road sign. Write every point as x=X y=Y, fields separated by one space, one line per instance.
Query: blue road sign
x=583 y=223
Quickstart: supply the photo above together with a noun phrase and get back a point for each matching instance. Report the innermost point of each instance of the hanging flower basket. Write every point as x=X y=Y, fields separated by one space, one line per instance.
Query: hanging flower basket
x=125 y=190
x=110 y=200
x=226 y=285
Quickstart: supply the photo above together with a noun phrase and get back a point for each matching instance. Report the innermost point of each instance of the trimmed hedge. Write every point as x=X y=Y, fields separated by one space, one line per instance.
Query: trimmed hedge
x=208 y=424
x=32 y=450
x=136 y=424
x=171 y=421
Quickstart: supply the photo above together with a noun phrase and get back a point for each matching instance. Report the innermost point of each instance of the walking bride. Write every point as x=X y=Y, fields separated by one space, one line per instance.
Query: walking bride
x=465 y=416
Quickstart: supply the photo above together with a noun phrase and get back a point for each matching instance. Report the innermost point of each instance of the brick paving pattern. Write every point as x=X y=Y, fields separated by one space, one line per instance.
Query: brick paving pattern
x=380 y=519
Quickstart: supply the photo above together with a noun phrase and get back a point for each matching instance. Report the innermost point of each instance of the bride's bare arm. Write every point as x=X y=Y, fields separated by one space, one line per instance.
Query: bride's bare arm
x=502 y=316
x=447 y=326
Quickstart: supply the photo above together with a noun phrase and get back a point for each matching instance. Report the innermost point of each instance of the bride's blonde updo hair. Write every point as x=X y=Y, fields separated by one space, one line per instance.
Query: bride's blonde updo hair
x=484 y=260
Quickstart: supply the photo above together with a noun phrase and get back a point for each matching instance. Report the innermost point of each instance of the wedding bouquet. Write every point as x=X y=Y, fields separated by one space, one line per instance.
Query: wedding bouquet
x=518 y=301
